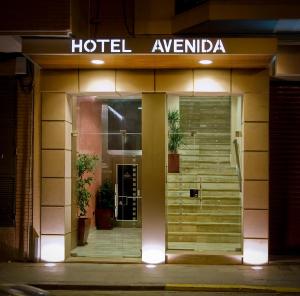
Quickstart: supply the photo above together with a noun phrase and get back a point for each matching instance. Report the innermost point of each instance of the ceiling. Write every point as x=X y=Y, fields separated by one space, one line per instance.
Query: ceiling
x=148 y=61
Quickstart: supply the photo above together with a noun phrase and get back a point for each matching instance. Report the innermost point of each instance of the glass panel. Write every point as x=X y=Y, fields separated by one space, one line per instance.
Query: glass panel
x=204 y=198
x=111 y=130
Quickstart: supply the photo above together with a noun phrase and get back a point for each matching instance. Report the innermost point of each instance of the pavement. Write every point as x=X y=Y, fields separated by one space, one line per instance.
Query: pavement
x=281 y=278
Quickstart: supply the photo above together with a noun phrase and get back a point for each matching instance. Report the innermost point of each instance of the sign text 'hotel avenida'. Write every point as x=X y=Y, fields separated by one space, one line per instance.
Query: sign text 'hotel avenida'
x=151 y=46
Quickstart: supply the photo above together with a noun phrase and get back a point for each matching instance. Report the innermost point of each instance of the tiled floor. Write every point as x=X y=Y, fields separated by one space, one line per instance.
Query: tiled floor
x=116 y=243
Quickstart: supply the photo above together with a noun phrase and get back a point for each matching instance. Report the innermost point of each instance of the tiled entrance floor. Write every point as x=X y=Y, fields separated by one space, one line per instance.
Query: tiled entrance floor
x=116 y=243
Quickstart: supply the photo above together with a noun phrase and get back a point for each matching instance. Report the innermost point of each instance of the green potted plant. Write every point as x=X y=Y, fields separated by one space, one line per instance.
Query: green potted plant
x=86 y=165
x=175 y=140
x=105 y=203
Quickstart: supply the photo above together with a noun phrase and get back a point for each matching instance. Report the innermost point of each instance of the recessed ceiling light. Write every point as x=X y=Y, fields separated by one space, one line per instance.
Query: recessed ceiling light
x=97 y=62
x=205 y=62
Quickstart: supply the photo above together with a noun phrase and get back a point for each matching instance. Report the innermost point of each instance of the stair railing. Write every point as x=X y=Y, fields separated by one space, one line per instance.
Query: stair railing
x=238 y=164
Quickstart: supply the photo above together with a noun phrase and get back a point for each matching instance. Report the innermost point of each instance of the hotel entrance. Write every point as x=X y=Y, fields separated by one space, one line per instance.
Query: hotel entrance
x=116 y=114
x=107 y=130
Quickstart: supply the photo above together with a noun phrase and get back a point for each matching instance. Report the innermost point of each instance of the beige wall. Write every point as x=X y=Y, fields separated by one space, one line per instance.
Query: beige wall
x=253 y=85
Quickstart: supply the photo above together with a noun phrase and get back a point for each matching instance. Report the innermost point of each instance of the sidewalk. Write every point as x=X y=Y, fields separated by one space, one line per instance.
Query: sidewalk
x=78 y=276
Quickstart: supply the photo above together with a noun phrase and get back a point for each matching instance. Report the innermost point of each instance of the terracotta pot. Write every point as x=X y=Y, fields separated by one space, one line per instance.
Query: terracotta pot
x=173 y=163
x=83 y=230
x=104 y=218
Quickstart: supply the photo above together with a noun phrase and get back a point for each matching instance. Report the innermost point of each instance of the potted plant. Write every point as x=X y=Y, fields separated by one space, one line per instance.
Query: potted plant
x=175 y=140
x=85 y=166
x=105 y=203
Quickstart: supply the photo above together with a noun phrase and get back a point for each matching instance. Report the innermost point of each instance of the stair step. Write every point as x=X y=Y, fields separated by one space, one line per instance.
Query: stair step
x=207 y=165
x=208 y=171
x=203 y=208
x=204 y=217
x=204 y=153
x=189 y=127
x=205 y=158
x=234 y=186
x=206 y=147
x=204 y=179
x=218 y=248
x=205 y=193
x=202 y=237
x=204 y=227
x=204 y=201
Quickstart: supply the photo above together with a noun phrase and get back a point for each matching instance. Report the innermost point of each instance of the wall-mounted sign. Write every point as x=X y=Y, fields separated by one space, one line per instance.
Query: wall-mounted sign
x=150 y=46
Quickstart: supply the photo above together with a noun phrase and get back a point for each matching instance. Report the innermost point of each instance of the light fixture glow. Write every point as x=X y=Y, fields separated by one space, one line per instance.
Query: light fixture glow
x=140 y=108
x=205 y=62
x=53 y=252
x=50 y=264
x=153 y=256
x=97 y=62
x=115 y=112
x=150 y=265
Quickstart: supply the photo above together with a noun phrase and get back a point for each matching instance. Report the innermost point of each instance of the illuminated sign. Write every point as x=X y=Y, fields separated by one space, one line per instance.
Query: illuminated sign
x=150 y=46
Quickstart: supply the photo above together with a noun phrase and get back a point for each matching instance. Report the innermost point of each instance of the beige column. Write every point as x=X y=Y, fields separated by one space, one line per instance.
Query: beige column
x=56 y=177
x=254 y=84
x=56 y=163
x=153 y=177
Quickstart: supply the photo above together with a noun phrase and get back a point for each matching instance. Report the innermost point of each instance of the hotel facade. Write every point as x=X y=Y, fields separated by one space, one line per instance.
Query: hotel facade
x=110 y=89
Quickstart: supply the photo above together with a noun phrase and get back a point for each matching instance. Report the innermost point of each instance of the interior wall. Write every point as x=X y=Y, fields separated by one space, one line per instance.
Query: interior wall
x=253 y=85
x=89 y=141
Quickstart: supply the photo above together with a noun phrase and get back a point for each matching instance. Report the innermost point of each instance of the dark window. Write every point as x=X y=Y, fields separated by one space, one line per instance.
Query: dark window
x=7 y=151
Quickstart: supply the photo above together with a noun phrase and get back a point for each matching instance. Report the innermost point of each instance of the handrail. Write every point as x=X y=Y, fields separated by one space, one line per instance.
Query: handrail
x=238 y=165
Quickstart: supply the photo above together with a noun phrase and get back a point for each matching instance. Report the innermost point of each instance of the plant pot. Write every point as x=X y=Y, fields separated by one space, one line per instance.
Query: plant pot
x=104 y=218
x=173 y=163
x=83 y=230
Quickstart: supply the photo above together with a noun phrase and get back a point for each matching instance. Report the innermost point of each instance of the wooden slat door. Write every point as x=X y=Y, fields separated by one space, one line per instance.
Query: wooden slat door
x=284 y=167
x=7 y=150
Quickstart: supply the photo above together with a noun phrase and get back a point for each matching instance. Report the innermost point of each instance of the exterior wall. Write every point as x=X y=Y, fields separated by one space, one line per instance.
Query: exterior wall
x=15 y=242
x=252 y=84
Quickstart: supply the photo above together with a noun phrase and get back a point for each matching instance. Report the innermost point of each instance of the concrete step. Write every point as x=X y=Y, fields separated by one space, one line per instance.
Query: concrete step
x=204 y=179
x=202 y=237
x=204 y=217
x=203 y=208
x=214 y=227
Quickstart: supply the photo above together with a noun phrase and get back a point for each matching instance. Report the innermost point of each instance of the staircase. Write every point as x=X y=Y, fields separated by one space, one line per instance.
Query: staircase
x=212 y=221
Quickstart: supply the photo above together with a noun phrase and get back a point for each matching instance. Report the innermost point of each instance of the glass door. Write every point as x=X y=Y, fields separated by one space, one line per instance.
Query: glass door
x=110 y=129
